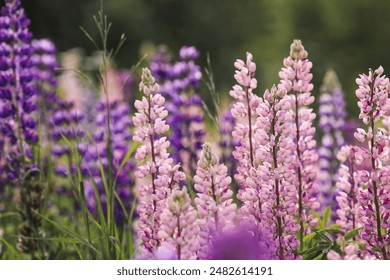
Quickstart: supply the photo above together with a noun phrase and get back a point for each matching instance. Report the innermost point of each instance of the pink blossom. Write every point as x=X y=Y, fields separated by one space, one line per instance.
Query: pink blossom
x=179 y=228
x=373 y=94
x=165 y=176
x=296 y=80
x=214 y=199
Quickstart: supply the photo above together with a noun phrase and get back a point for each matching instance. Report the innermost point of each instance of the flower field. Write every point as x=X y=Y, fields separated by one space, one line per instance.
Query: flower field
x=136 y=164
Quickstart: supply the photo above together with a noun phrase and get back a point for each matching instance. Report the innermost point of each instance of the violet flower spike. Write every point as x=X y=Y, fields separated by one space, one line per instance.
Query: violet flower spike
x=179 y=83
x=17 y=91
x=332 y=123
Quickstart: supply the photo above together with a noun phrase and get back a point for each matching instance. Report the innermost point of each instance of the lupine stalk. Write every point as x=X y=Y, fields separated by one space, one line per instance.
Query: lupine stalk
x=18 y=122
x=45 y=64
x=244 y=111
x=373 y=94
x=17 y=90
x=347 y=190
x=180 y=81
x=332 y=123
x=214 y=199
x=273 y=130
x=150 y=126
x=179 y=227
x=295 y=78
x=95 y=157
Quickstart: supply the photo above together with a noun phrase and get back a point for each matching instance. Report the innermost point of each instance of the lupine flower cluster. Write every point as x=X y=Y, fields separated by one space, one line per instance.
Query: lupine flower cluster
x=147 y=185
x=164 y=175
x=95 y=157
x=18 y=122
x=179 y=82
x=373 y=94
x=332 y=123
x=216 y=209
x=17 y=89
x=296 y=80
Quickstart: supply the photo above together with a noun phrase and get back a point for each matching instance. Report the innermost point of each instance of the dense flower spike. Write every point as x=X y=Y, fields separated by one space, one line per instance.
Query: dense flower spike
x=66 y=128
x=180 y=81
x=273 y=130
x=165 y=176
x=373 y=94
x=347 y=190
x=45 y=64
x=95 y=157
x=214 y=199
x=16 y=74
x=296 y=79
x=179 y=227
x=332 y=123
x=18 y=124
x=244 y=113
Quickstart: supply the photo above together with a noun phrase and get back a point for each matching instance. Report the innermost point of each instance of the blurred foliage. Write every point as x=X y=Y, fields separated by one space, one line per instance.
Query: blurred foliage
x=349 y=35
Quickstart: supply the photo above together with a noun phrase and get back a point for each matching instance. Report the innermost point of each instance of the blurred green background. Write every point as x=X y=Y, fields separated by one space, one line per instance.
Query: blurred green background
x=347 y=35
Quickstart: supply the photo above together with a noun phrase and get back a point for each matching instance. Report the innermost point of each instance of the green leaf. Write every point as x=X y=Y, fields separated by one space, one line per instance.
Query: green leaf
x=309 y=237
x=127 y=156
x=326 y=216
x=68 y=232
x=322 y=235
x=352 y=233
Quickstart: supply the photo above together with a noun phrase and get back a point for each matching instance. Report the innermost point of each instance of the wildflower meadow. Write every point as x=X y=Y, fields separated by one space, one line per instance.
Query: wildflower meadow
x=118 y=164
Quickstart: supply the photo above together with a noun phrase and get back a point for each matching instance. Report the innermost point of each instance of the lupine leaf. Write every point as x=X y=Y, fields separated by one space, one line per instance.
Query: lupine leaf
x=352 y=233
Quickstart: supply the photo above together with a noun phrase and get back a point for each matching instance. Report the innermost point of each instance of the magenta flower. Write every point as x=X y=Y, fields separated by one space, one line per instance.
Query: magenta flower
x=347 y=189
x=216 y=209
x=150 y=126
x=279 y=211
x=374 y=198
x=179 y=228
x=244 y=113
x=296 y=79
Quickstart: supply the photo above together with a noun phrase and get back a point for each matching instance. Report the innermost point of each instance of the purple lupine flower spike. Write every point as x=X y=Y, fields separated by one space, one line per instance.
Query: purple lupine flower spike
x=17 y=90
x=95 y=153
x=332 y=123
x=179 y=82
x=45 y=64
x=66 y=133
